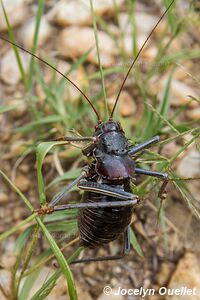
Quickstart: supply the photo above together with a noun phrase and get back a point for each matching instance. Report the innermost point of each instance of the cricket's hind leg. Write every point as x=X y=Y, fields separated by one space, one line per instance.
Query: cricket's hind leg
x=125 y=250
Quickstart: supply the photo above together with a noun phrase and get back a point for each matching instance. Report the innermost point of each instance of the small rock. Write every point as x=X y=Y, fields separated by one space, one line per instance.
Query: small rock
x=138 y=226
x=6 y=134
x=75 y=41
x=3 y=197
x=114 y=247
x=193 y=114
x=187 y=274
x=144 y=23
x=148 y=53
x=77 y=76
x=5 y=280
x=128 y=44
x=82 y=293
x=83 y=17
x=18 y=147
x=183 y=70
x=16 y=11
x=20 y=110
x=8 y=260
x=23 y=183
x=27 y=32
x=164 y=273
x=24 y=168
x=70 y=92
x=127 y=106
x=18 y=214
x=9 y=71
x=170 y=149
x=189 y=166
x=90 y=269
x=180 y=92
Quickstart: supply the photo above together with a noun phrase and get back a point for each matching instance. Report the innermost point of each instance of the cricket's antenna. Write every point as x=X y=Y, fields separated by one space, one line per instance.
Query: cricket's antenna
x=135 y=59
x=52 y=67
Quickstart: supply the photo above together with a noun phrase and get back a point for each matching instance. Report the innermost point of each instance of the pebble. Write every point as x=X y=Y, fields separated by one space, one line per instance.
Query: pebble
x=8 y=257
x=18 y=214
x=128 y=44
x=164 y=273
x=187 y=274
x=193 y=114
x=189 y=166
x=127 y=105
x=82 y=292
x=23 y=183
x=24 y=168
x=78 y=76
x=90 y=269
x=8 y=260
x=150 y=51
x=142 y=27
x=144 y=23
x=73 y=42
x=26 y=33
x=20 y=110
x=70 y=92
x=16 y=11
x=180 y=92
x=170 y=149
x=3 y=197
x=5 y=280
x=83 y=17
x=9 y=71
x=17 y=147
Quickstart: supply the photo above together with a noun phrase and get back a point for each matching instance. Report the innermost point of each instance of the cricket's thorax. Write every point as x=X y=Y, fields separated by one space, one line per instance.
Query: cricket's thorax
x=111 y=152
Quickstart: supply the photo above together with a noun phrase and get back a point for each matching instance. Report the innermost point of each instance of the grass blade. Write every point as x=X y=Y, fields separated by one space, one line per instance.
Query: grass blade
x=135 y=243
x=171 y=16
x=35 y=40
x=12 y=38
x=26 y=201
x=61 y=260
x=17 y=227
x=6 y=108
x=41 y=151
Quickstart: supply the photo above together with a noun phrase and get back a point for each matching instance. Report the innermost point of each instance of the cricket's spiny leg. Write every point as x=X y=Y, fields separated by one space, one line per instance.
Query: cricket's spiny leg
x=144 y=145
x=126 y=250
x=163 y=176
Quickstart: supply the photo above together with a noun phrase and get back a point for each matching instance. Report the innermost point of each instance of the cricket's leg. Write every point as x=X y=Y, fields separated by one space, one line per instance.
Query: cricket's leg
x=129 y=198
x=55 y=200
x=49 y=208
x=163 y=176
x=127 y=241
x=76 y=139
x=144 y=145
x=125 y=250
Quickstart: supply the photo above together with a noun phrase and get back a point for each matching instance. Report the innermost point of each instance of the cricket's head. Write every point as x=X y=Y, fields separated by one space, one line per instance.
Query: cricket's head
x=111 y=138
x=108 y=126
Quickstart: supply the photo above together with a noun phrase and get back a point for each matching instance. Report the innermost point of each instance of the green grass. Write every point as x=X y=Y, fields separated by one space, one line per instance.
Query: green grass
x=157 y=118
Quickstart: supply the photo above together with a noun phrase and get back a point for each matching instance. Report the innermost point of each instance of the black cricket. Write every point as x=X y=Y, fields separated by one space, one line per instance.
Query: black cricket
x=107 y=204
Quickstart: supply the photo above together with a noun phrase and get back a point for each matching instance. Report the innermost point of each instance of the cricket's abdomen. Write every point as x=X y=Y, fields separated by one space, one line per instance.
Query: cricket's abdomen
x=98 y=226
